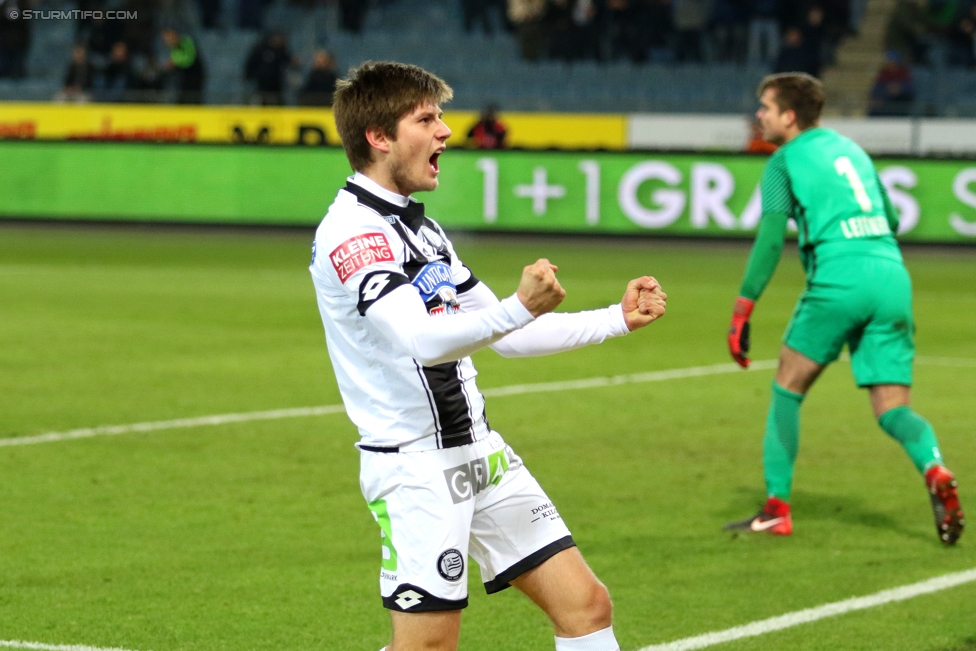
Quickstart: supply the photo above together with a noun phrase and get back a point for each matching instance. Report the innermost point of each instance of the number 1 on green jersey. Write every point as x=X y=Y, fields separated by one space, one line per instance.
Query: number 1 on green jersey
x=845 y=168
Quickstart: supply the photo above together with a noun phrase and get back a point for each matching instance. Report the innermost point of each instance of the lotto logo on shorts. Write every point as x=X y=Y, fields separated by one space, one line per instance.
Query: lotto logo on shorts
x=469 y=479
x=408 y=599
x=358 y=252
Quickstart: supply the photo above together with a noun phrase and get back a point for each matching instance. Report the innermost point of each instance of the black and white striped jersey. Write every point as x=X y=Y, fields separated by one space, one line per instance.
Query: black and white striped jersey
x=388 y=281
x=402 y=313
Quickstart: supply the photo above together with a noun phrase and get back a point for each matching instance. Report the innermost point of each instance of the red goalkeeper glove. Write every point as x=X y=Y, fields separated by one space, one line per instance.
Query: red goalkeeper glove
x=739 y=331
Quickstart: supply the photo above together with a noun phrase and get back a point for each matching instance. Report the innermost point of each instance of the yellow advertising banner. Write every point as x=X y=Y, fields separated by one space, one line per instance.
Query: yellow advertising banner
x=167 y=123
x=279 y=125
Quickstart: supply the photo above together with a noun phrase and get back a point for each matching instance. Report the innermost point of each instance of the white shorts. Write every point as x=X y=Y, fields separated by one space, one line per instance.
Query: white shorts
x=436 y=507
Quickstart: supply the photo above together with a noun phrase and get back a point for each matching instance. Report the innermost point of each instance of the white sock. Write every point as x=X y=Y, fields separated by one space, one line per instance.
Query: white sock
x=599 y=641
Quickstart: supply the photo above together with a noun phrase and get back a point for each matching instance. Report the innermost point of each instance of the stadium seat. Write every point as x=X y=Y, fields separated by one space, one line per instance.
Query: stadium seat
x=483 y=69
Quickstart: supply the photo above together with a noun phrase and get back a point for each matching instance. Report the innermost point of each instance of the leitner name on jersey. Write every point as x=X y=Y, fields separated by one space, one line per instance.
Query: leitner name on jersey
x=377 y=247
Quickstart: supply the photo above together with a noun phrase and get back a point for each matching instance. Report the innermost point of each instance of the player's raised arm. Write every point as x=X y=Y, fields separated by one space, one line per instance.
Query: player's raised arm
x=643 y=302
x=402 y=318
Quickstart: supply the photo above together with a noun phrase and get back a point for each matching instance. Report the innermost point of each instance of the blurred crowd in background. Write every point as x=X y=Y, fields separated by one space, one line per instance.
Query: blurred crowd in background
x=922 y=33
x=135 y=60
x=666 y=31
x=117 y=76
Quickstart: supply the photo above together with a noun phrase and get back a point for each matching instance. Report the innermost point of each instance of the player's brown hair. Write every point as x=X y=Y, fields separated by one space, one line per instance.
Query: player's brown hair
x=798 y=92
x=376 y=95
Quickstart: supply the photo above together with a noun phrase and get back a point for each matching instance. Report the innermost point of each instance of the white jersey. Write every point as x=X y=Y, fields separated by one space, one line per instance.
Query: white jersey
x=364 y=249
x=402 y=313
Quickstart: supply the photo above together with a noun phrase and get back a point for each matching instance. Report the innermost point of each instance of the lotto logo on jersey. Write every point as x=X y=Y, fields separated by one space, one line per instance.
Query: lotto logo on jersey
x=358 y=252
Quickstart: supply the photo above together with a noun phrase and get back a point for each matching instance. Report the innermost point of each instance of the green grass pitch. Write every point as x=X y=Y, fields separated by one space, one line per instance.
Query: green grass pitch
x=254 y=536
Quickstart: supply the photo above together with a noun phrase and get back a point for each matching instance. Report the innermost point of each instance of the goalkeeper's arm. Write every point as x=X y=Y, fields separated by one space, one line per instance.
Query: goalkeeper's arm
x=765 y=255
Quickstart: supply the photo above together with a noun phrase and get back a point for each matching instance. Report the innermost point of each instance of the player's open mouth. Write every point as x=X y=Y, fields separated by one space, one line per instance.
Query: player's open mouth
x=433 y=162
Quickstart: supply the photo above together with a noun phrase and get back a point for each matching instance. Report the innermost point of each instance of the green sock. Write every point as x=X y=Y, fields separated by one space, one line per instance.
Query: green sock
x=782 y=441
x=915 y=435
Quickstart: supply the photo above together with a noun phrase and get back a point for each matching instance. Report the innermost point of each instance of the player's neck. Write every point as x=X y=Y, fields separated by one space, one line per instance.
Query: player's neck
x=381 y=176
x=794 y=132
x=387 y=192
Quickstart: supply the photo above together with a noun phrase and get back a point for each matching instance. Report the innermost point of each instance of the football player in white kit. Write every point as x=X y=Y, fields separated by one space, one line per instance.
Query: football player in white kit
x=402 y=314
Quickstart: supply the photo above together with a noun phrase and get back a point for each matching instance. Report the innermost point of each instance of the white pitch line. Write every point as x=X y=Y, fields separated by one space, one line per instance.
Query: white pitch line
x=518 y=389
x=17 y=644
x=820 y=612
x=958 y=362
x=633 y=378
x=220 y=419
x=754 y=629
x=512 y=390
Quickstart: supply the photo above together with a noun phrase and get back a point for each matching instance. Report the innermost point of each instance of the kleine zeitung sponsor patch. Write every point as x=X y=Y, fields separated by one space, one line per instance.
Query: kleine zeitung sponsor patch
x=358 y=252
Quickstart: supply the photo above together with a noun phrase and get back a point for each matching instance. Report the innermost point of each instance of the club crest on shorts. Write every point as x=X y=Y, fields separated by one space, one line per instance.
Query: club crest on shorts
x=450 y=565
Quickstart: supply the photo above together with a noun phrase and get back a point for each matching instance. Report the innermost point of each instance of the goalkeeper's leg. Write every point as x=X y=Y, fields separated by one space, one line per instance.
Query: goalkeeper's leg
x=890 y=403
x=781 y=441
x=795 y=376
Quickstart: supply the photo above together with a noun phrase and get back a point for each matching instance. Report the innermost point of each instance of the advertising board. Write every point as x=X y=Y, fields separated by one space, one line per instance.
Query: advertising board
x=558 y=192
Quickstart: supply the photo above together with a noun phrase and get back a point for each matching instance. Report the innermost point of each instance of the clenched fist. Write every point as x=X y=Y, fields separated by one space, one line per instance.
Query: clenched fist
x=644 y=301
x=539 y=290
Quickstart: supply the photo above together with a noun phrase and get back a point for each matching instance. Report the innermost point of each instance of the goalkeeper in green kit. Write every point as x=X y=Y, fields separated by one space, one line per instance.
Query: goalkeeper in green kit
x=858 y=293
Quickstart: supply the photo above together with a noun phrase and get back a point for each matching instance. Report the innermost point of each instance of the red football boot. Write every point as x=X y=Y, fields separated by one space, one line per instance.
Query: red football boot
x=944 y=492
x=774 y=518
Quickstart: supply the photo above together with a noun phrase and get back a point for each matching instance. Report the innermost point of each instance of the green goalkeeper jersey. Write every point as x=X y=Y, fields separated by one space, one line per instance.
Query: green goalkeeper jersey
x=828 y=184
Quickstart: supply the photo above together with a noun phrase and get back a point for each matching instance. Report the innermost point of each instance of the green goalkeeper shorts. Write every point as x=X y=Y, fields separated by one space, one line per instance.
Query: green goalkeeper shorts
x=865 y=302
